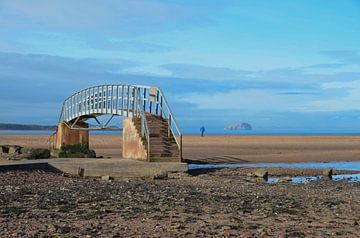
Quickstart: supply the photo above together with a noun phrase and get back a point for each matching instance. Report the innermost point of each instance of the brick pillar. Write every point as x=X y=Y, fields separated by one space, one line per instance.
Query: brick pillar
x=133 y=147
x=67 y=136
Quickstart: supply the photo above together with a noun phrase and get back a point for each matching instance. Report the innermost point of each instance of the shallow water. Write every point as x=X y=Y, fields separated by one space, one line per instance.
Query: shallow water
x=337 y=165
x=347 y=177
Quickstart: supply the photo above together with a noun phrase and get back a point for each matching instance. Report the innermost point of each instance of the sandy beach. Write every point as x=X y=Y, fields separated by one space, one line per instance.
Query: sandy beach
x=202 y=203
x=230 y=149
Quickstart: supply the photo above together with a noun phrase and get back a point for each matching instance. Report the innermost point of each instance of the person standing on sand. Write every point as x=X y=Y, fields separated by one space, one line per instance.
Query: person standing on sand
x=202 y=130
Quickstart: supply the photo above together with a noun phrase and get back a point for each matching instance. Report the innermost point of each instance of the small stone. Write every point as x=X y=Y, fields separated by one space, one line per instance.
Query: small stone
x=14 y=149
x=328 y=172
x=90 y=154
x=284 y=180
x=35 y=153
x=5 y=149
x=261 y=173
x=175 y=226
x=160 y=176
x=81 y=172
x=225 y=228
x=106 y=178
x=177 y=175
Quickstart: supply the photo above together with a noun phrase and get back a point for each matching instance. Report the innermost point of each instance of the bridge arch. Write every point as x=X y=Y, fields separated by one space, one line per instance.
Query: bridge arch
x=145 y=109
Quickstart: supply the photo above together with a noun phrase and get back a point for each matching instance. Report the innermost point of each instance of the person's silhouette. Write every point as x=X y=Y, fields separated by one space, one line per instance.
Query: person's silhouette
x=202 y=130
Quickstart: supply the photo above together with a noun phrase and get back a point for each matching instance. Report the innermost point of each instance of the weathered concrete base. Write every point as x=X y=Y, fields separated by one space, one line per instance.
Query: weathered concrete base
x=133 y=147
x=115 y=167
x=66 y=136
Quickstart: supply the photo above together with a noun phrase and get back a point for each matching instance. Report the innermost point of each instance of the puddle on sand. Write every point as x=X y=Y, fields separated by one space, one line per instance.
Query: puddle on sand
x=305 y=179
x=337 y=165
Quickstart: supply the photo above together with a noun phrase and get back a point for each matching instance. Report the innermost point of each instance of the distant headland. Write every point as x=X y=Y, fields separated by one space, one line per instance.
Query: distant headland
x=25 y=127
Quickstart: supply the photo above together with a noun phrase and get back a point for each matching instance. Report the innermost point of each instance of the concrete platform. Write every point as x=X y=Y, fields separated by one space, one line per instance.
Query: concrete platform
x=114 y=167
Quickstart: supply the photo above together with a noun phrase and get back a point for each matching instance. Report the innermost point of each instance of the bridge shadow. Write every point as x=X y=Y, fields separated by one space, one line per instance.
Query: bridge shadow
x=221 y=159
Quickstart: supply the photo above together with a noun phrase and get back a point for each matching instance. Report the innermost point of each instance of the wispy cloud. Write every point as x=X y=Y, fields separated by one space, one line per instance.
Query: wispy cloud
x=129 y=46
x=295 y=75
x=203 y=72
x=344 y=56
x=130 y=17
x=349 y=101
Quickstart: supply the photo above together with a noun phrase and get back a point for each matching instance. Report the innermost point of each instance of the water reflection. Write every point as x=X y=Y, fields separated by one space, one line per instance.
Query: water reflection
x=337 y=165
x=305 y=179
x=353 y=165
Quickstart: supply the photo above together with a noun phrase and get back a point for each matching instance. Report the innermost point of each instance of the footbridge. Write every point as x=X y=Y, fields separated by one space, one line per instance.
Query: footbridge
x=150 y=130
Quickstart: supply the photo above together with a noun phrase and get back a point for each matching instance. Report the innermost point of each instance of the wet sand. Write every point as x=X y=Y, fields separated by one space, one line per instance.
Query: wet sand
x=230 y=149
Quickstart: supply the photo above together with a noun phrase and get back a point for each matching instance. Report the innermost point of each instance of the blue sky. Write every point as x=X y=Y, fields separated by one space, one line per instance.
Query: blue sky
x=275 y=64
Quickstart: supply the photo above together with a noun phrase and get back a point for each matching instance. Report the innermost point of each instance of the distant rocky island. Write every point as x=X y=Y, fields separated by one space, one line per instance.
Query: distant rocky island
x=23 y=127
x=244 y=126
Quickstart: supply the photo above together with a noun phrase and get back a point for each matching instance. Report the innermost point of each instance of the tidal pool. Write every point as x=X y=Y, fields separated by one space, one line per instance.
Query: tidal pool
x=336 y=165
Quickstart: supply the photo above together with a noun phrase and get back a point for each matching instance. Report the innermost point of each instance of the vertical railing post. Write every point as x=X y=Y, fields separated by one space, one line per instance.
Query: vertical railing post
x=180 y=149
x=144 y=99
x=161 y=106
x=157 y=102
x=107 y=99
x=133 y=94
x=112 y=99
x=122 y=100
x=128 y=101
x=117 y=100
x=169 y=126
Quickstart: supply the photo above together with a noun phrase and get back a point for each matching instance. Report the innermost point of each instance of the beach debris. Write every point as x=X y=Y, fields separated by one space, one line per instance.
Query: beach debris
x=35 y=153
x=81 y=172
x=74 y=151
x=161 y=175
x=10 y=149
x=16 y=152
x=327 y=172
x=177 y=175
x=284 y=180
x=261 y=173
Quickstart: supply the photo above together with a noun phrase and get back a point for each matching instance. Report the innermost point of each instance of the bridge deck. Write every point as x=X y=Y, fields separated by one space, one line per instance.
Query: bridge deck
x=114 y=167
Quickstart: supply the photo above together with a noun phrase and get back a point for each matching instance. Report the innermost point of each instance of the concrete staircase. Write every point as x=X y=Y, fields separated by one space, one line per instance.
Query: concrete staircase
x=163 y=147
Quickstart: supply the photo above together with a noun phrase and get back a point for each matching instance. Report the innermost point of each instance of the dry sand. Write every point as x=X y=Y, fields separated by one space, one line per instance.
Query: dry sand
x=230 y=149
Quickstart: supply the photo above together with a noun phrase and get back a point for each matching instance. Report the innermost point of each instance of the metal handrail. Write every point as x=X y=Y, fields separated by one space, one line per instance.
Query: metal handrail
x=171 y=121
x=145 y=132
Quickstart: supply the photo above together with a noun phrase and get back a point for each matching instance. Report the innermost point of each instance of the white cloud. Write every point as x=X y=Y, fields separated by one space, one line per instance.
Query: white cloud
x=254 y=100
x=82 y=14
x=272 y=100
x=348 y=102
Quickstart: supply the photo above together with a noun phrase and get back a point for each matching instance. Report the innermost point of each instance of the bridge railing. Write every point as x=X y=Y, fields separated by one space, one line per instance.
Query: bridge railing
x=122 y=100
x=144 y=127
x=154 y=102
x=99 y=100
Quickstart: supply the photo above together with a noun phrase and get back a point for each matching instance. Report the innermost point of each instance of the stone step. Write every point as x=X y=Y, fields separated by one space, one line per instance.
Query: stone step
x=163 y=147
x=163 y=151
